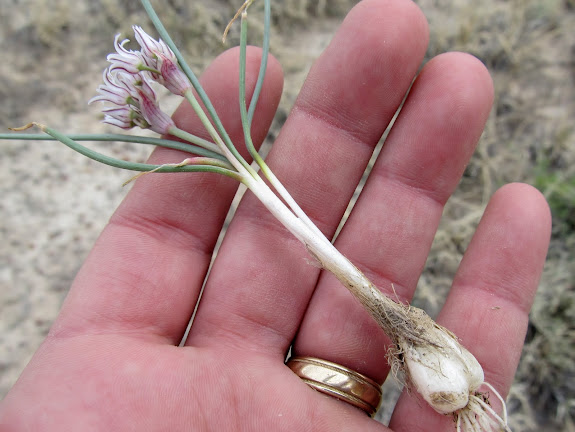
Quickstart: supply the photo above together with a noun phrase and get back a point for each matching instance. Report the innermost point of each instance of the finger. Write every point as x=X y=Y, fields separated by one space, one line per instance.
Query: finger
x=491 y=296
x=261 y=281
x=145 y=271
x=390 y=231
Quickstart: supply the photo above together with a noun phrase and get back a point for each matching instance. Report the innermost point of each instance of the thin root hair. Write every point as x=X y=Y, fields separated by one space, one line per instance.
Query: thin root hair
x=478 y=416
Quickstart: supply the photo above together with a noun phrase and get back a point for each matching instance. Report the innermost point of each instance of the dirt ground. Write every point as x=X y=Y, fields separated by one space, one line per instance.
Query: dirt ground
x=54 y=203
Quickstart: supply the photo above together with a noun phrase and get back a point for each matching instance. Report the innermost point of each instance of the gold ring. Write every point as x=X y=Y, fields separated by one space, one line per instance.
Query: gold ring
x=338 y=381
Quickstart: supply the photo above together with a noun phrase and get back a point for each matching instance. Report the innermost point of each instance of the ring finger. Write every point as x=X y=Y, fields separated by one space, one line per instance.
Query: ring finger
x=390 y=231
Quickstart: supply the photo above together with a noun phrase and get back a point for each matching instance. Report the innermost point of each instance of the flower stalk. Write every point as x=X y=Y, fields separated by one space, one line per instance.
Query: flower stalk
x=431 y=358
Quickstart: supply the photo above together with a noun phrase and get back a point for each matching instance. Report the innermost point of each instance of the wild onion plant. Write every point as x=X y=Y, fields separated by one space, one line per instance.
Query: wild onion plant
x=428 y=355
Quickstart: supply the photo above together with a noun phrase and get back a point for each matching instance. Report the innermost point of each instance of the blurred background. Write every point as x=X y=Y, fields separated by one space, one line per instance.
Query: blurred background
x=54 y=202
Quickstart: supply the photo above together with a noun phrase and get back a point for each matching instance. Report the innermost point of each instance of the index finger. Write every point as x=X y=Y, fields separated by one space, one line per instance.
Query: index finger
x=146 y=270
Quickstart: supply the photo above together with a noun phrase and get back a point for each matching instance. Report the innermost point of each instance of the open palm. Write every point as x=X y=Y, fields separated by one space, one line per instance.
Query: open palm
x=111 y=360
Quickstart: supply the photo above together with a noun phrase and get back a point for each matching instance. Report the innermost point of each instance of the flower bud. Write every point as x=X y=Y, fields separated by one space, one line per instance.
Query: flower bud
x=152 y=48
x=158 y=120
x=172 y=76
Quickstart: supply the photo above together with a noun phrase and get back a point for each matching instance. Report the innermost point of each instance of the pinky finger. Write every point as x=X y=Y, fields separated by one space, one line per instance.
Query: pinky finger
x=491 y=296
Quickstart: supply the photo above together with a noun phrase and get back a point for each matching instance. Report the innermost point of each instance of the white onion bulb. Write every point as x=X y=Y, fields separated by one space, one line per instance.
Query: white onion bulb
x=448 y=377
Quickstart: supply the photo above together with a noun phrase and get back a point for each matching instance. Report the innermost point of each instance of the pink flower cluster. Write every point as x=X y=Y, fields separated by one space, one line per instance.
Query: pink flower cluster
x=127 y=84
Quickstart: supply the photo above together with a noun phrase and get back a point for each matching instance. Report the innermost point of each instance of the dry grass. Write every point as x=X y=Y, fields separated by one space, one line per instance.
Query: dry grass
x=528 y=45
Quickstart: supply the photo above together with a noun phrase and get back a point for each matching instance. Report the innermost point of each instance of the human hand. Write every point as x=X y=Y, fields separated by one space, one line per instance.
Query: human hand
x=111 y=362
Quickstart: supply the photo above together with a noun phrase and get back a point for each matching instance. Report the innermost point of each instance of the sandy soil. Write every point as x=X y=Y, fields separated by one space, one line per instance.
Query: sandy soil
x=54 y=202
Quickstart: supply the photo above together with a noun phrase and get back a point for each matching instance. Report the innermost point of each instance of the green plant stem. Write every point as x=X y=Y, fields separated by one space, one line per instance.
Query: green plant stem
x=263 y=63
x=193 y=139
x=230 y=153
x=135 y=166
x=246 y=125
x=225 y=138
x=200 y=150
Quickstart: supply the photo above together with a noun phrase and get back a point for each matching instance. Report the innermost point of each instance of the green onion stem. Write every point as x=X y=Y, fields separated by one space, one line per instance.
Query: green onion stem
x=229 y=152
x=246 y=125
x=195 y=83
x=135 y=166
x=198 y=149
x=263 y=64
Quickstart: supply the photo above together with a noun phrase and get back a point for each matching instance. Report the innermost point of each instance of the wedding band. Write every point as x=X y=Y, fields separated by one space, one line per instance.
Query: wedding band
x=338 y=381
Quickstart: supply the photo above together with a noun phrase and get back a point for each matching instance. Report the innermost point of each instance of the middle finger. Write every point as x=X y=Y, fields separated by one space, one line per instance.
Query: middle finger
x=261 y=282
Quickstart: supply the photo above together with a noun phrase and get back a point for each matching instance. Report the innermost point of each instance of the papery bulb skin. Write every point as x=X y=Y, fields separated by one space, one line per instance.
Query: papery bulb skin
x=442 y=381
x=474 y=369
x=443 y=372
